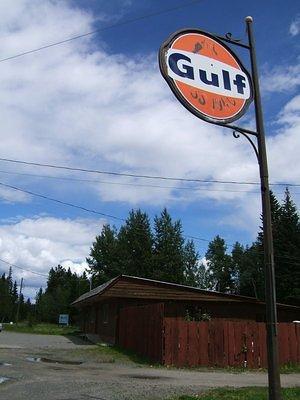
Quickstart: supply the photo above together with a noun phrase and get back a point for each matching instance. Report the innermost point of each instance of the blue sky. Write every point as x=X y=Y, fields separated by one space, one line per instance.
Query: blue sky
x=100 y=103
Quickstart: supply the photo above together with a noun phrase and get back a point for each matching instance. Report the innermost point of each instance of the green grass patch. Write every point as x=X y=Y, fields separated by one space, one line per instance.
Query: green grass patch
x=290 y=369
x=42 y=329
x=104 y=353
x=253 y=393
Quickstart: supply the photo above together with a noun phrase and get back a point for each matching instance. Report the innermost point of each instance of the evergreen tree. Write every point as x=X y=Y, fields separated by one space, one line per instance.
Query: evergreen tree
x=191 y=268
x=203 y=280
x=286 y=241
x=169 y=257
x=287 y=252
x=62 y=289
x=104 y=260
x=134 y=245
x=219 y=266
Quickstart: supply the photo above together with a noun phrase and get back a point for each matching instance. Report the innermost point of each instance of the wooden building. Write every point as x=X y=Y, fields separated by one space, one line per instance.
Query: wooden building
x=100 y=308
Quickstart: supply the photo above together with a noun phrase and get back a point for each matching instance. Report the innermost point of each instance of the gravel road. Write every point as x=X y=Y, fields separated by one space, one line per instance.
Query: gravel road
x=94 y=378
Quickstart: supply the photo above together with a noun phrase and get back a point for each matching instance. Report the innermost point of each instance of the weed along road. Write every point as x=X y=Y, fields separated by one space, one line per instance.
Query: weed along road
x=66 y=368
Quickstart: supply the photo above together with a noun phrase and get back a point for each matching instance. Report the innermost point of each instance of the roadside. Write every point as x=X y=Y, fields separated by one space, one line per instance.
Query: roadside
x=65 y=368
x=242 y=394
x=42 y=329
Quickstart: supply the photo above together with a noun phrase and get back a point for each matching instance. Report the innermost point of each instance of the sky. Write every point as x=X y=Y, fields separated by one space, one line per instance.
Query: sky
x=99 y=102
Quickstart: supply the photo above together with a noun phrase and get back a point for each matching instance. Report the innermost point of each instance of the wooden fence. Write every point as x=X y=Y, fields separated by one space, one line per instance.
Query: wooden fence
x=225 y=343
x=222 y=343
x=141 y=330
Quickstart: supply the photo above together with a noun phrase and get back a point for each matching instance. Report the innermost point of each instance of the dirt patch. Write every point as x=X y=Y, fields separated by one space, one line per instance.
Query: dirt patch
x=148 y=377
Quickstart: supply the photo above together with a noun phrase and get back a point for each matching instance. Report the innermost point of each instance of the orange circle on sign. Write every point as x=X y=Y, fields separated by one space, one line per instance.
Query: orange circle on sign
x=205 y=102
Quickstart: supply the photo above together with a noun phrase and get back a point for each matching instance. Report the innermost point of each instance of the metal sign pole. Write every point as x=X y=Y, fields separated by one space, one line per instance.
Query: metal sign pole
x=209 y=101
x=271 y=313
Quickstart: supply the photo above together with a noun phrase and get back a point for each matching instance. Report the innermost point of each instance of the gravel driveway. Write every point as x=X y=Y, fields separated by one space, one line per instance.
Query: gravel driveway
x=94 y=378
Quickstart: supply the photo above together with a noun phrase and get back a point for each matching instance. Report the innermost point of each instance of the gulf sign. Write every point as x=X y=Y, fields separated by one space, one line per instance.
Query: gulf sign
x=206 y=76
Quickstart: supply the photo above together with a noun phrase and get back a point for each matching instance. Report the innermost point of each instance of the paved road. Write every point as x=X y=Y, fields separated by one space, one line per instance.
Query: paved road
x=99 y=378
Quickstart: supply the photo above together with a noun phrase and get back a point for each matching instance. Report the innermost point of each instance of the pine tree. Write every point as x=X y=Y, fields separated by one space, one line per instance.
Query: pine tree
x=219 y=266
x=104 y=260
x=191 y=268
x=203 y=280
x=169 y=255
x=134 y=245
x=287 y=252
x=239 y=268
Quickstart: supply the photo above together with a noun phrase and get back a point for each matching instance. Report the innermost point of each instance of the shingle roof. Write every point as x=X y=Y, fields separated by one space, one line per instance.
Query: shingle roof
x=168 y=285
x=98 y=290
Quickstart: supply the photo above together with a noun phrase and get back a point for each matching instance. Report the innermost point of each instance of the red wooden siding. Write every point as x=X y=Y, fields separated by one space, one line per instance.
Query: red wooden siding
x=220 y=342
x=226 y=343
x=141 y=330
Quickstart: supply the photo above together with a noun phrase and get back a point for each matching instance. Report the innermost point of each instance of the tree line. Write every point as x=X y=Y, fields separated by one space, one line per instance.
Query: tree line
x=12 y=303
x=160 y=251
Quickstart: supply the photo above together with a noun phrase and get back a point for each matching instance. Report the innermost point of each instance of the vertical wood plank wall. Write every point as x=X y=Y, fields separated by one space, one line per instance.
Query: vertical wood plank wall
x=141 y=330
x=222 y=343
x=226 y=343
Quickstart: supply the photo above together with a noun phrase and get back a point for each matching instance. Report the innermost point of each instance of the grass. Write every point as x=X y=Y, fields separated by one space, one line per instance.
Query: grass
x=253 y=393
x=42 y=329
x=284 y=369
x=102 y=353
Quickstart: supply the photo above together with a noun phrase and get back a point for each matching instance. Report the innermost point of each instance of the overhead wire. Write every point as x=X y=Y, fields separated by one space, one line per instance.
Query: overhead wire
x=142 y=176
x=61 y=202
x=101 y=213
x=80 y=207
x=67 y=178
x=110 y=172
x=102 y=29
x=24 y=269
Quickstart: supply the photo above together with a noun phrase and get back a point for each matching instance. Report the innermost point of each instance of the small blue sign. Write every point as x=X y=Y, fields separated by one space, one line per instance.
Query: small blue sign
x=63 y=319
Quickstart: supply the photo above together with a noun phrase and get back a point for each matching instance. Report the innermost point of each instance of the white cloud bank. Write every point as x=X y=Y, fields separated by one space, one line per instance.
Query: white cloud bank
x=39 y=243
x=80 y=104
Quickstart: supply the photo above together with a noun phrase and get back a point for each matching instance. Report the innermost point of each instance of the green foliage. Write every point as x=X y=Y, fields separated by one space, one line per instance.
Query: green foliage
x=63 y=287
x=219 y=266
x=250 y=393
x=9 y=299
x=103 y=260
x=192 y=268
x=135 y=245
x=197 y=315
x=169 y=255
x=242 y=271
x=136 y=250
x=42 y=329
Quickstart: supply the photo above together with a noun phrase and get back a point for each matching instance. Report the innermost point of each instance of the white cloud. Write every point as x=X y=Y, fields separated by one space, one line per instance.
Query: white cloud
x=281 y=79
x=81 y=104
x=40 y=243
x=295 y=26
x=76 y=105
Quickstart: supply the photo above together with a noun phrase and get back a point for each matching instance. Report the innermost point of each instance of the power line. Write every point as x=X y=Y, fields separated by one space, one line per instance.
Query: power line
x=24 y=269
x=126 y=184
x=123 y=174
x=61 y=202
x=113 y=216
x=126 y=22
x=80 y=207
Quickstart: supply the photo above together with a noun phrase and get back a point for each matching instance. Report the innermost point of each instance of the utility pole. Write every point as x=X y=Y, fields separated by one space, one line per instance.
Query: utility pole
x=18 y=309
